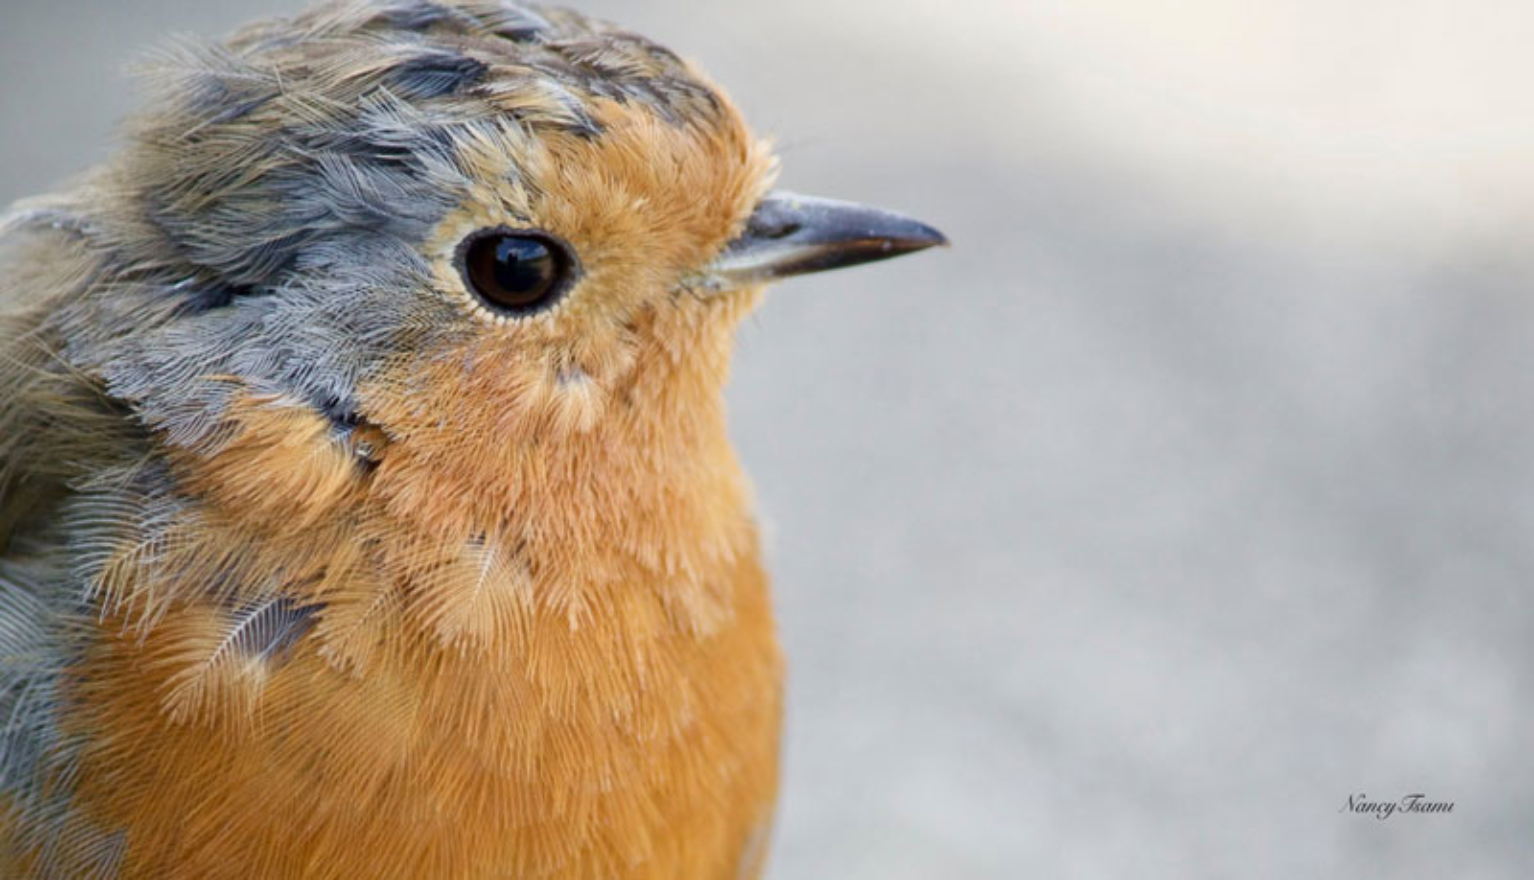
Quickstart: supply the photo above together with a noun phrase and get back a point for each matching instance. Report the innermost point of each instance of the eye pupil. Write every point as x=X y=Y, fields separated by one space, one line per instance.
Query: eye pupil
x=514 y=272
x=522 y=264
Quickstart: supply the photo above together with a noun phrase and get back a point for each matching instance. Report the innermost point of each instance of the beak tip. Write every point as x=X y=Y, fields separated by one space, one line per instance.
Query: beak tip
x=935 y=238
x=919 y=238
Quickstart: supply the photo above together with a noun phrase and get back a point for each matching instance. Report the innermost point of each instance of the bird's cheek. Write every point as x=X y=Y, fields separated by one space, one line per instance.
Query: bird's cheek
x=479 y=405
x=576 y=402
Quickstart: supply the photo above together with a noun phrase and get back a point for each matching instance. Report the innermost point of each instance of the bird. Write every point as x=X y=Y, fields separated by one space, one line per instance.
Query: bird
x=367 y=506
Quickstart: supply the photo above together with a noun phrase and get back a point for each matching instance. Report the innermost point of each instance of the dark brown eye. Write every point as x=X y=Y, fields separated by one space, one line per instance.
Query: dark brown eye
x=516 y=272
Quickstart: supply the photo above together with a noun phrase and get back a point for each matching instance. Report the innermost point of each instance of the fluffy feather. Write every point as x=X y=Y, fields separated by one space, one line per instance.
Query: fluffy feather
x=308 y=566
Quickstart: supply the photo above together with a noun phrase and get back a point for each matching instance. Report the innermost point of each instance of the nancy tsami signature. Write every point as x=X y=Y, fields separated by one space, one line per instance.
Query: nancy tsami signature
x=1382 y=810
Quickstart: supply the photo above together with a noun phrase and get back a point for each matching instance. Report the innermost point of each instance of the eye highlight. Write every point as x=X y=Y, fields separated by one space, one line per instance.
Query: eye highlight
x=516 y=272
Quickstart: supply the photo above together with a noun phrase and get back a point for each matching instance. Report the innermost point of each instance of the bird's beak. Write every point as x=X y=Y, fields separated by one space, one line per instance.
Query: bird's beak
x=790 y=234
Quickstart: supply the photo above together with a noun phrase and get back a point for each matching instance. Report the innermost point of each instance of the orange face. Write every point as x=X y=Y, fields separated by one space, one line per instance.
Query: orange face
x=641 y=208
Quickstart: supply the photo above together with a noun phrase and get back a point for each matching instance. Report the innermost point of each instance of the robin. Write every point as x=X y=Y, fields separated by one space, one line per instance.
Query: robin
x=366 y=504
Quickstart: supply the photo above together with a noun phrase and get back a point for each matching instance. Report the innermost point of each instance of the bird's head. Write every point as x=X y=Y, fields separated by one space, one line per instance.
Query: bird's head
x=447 y=239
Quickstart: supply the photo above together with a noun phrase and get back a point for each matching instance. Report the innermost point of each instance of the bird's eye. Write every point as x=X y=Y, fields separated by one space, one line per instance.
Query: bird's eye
x=516 y=272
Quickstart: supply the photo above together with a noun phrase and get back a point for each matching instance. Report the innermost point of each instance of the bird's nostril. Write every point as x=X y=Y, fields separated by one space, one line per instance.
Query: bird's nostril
x=771 y=221
x=783 y=230
x=772 y=228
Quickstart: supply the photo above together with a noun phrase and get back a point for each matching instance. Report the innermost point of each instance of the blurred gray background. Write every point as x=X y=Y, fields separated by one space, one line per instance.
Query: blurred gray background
x=1188 y=495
